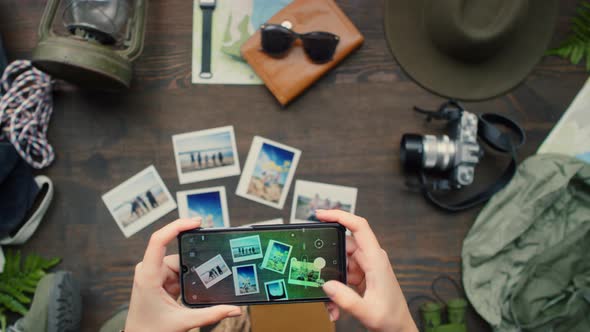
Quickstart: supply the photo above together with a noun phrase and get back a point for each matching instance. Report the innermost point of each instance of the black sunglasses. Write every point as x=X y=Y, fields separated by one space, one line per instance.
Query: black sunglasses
x=319 y=46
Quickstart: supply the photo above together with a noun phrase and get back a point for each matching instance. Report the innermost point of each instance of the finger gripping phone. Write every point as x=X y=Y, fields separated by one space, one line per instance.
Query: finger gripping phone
x=260 y=264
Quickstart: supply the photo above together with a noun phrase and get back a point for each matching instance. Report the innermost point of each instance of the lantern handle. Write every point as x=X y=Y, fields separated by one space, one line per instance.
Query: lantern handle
x=137 y=38
x=47 y=19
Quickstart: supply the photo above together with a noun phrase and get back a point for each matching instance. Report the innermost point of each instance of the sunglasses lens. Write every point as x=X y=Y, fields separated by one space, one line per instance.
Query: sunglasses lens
x=320 y=46
x=276 y=39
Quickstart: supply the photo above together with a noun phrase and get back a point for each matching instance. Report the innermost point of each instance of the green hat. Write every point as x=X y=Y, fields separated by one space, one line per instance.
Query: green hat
x=469 y=49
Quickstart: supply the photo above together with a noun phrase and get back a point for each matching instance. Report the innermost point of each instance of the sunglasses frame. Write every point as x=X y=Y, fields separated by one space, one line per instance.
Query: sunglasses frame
x=335 y=39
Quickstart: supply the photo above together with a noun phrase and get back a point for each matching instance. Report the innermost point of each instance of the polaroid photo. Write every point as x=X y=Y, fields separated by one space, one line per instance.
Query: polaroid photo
x=212 y=271
x=139 y=201
x=311 y=196
x=210 y=204
x=276 y=290
x=277 y=256
x=305 y=273
x=245 y=248
x=268 y=172
x=206 y=154
x=245 y=280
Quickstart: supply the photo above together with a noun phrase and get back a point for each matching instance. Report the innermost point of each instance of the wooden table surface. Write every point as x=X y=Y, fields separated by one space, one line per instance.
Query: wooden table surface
x=348 y=125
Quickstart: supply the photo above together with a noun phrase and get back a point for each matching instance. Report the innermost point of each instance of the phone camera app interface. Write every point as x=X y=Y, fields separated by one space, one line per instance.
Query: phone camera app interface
x=259 y=265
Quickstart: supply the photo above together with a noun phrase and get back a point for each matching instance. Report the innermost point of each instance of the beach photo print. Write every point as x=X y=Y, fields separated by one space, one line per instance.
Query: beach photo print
x=209 y=204
x=245 y=280
x=212 y=271
x=206 y=154
x=245 y=248
x=311 y=196
x=139 y=201
x=268 y=172
x=276 y=257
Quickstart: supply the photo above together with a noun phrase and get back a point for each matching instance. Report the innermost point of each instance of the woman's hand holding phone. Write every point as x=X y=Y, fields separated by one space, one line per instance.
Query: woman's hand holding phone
x=156 y=287
x=379 y=303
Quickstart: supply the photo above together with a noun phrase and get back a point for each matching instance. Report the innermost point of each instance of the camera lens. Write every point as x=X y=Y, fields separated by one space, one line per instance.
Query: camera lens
x=412 y=151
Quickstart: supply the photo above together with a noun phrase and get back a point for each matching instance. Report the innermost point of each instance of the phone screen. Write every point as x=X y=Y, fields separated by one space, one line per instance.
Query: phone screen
x=262 y=264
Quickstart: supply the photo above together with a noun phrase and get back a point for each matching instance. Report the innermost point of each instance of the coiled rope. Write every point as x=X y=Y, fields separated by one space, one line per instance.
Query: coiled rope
x=25 y=110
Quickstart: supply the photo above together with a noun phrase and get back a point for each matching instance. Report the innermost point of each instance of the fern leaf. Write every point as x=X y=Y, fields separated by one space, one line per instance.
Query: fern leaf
x=577 y=46
x=2 y=320
x=20 y=278
x=49 y=263
x=14 y=292
x=32 y=263
x=22 y=286
x=12 y=304
x=12 y=265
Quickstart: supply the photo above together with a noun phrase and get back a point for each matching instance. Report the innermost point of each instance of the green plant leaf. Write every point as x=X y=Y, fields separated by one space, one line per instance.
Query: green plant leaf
x=15 y=292
x=576 y=47
x=2 y=320
x=12 y=304
x=19 y=279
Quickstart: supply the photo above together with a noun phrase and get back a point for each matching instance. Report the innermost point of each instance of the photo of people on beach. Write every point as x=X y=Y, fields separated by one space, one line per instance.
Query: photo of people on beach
x=212 y=271
x=268 y=172
x=139 y=201
x=311 y=196
x=209 y=204
x=206 y=154
x=245 y=248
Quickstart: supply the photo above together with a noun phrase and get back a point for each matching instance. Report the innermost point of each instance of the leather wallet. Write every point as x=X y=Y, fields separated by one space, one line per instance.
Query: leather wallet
x=288 y=76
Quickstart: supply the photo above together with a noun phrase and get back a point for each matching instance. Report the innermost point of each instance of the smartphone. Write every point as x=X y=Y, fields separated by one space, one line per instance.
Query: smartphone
x=260 y=264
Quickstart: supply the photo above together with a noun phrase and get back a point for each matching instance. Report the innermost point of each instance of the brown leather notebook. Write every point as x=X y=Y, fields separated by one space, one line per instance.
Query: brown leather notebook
x=288 y=76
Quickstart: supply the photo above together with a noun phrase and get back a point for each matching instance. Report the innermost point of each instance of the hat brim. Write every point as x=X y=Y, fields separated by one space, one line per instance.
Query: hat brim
x=448 y=77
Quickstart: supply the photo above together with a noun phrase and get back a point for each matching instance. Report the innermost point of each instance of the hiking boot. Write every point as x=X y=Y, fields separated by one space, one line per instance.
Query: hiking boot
x=57 y=306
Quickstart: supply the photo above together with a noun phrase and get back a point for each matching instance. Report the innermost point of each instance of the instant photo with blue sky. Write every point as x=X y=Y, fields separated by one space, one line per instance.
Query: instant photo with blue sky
x=268 y=172
x=209 y=204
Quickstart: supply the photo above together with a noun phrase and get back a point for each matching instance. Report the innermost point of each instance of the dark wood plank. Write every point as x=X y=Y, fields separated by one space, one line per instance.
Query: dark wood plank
x=348 y=127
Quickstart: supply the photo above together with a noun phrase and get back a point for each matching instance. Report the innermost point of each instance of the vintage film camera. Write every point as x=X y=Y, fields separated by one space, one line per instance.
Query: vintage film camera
x=454 y=157
x=457 y=153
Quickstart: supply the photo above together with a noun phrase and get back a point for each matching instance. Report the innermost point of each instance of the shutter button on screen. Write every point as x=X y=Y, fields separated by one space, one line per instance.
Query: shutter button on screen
x=319 y=244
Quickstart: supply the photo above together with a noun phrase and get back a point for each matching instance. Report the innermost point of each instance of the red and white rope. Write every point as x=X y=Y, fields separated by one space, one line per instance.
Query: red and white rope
x=25 y=110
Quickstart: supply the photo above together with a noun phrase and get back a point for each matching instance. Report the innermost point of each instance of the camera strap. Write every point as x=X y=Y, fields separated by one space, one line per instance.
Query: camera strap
x=492 y=136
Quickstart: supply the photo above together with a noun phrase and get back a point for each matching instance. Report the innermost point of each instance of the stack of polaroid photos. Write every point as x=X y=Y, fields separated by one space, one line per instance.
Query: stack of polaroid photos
x=212 y=154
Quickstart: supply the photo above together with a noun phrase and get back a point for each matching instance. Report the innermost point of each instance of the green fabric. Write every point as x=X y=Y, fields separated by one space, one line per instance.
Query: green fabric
x=526 y=260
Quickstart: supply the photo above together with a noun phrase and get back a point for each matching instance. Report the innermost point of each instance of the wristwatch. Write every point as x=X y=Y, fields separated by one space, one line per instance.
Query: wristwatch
x=207 y=7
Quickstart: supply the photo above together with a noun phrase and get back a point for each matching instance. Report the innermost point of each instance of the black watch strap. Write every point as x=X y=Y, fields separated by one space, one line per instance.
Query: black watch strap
x=206 y=43
x=498 y=140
